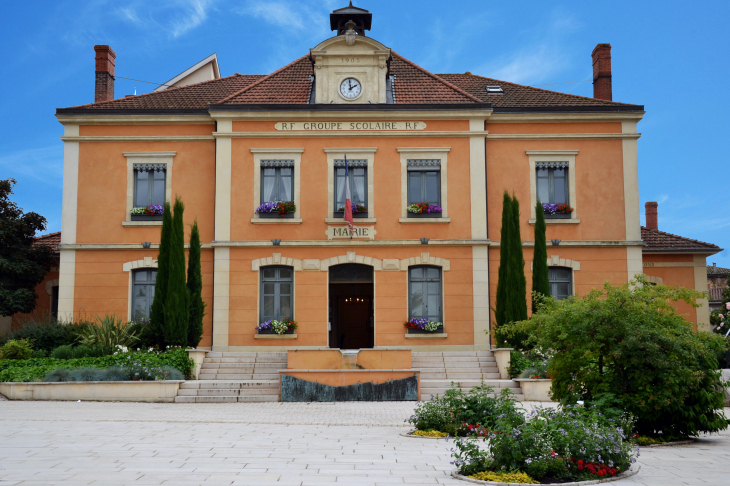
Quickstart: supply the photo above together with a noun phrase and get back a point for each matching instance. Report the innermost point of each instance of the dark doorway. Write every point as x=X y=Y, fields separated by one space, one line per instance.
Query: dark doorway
x=351 y=306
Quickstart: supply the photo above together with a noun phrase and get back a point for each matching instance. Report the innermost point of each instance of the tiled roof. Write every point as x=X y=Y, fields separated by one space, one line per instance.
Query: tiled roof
x=717 y=271
x=413 y=84
x=192 y=96
x=715 y=294
x=51 y=240
x=660 y=241
x=288 y=85
x=517 y=95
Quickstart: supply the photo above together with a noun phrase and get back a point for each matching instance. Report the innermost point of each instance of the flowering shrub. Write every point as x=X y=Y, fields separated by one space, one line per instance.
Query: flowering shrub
x=279 y=327
x=572 y=443
x=459 y=412
x=424 y=207
x=504 y=477
x=281 y=207
x=356 y=208
x=557 y=208
x=415 y=323
x=723 y=326
x=150 y=210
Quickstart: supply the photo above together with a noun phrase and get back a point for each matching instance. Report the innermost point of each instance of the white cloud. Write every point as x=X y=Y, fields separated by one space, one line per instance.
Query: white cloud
x=196 y=13
x=42 y=164
x=276 y=13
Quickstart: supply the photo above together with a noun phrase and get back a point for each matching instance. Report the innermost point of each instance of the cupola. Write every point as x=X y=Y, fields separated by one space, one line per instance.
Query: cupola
x=361 y=20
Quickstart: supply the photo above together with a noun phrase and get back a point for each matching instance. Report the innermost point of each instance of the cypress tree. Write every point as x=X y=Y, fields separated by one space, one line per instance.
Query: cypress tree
x=157 y=310
x=195 y=289
x=540 y=280
x=176 y=300
x=517 y=269
x=502 y=302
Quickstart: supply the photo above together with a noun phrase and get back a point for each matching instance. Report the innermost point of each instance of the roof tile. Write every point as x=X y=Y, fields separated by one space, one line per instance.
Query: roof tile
x=661 y=241
x=51 y=240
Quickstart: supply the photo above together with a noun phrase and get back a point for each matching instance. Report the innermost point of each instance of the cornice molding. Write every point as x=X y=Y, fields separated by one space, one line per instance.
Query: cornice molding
x=140 y=138
x=563 y=136
x=277 y=150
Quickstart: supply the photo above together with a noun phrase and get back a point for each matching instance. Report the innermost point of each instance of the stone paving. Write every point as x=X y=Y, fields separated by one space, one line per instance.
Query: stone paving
x=71 y=443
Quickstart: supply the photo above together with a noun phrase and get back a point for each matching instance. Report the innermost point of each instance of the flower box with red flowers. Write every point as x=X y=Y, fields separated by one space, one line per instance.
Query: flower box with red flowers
x=153 y=212
x=557 y=211
x=424 y=210
x=358 y=211
x=276 y=209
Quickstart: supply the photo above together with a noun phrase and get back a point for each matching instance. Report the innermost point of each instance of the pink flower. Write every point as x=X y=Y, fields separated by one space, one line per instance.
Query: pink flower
x=721 y=316
x=727 y=305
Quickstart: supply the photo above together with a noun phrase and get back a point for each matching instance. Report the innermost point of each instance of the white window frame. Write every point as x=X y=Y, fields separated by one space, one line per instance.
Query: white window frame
x=260 y=154
x=535 y=156
x=358 y=153
x=435 y=153
x=146 y=158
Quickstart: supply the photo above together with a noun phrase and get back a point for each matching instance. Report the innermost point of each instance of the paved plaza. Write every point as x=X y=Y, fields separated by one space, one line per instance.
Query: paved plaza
x=72 y=443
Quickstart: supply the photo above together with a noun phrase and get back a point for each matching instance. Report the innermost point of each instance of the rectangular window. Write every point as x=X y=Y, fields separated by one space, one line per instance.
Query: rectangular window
x=424 y=292
x=552 y=182
x=358 y=183
x=143 y=293
x=277 y=180
x=561 y=282
x=424 y=181
x=276 y=293
x=149 y=185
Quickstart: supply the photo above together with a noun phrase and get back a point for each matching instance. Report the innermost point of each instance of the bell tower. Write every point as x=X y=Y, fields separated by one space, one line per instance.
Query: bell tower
x=351 y=67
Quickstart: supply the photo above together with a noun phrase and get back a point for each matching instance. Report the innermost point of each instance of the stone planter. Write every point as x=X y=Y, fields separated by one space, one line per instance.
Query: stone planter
x=558 y=216
x=341 y=214
x=503 y=358
x=535 y=390
x=424 y=215
x=99 y=391
x=275 y=215
x=146 y=217
x=626 y=474
x=197 y=355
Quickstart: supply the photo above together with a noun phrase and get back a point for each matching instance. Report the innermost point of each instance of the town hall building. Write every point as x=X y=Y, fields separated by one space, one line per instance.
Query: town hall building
x=452 y=143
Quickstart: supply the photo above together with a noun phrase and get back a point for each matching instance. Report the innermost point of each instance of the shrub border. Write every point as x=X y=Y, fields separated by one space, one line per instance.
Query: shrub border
x=623 y=475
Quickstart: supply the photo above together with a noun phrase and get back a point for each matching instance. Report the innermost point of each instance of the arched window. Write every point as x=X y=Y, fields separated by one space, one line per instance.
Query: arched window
x=424 y=292
x=276 y=293
x=143 y=292
x=561 y=282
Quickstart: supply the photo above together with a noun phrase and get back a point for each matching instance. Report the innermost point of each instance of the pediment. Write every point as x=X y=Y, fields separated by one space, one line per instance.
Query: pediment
x=338 y=45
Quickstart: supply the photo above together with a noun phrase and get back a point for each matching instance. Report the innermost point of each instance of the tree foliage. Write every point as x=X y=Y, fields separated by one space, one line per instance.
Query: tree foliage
x=511 y=304
x=156 y=329
x=22 y=265
x=629 y=344
x=177 y=298
x=540 y=278
x=195 y=289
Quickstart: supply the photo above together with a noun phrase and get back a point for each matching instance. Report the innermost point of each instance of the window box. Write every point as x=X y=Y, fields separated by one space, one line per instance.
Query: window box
x=146 y=217
x=271 y=331
x=341 y=214
x=424 y=215
x=275 y=215
x=558 y=216
x=439 y=330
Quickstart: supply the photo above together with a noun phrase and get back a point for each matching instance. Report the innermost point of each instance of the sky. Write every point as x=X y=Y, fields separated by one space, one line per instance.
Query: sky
x=665 y=56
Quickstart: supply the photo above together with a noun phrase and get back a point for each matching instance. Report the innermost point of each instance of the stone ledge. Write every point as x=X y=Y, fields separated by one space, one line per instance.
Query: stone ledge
x=275 y=336
x=354 y=220
x=440 y=335
x=100 y=391
x=276 y=221
x=556 y=221
x=141 y=223
x=424 y=220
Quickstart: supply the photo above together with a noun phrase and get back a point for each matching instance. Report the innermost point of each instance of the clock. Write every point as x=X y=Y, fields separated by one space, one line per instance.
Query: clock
x=350 y=88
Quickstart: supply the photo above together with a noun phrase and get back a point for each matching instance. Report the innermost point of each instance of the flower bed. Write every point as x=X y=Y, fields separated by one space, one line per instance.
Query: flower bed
x=283 y=209
x=284 y=326
x=415 y=324
x=424 y=210
x=549 y=446
x=29 y=370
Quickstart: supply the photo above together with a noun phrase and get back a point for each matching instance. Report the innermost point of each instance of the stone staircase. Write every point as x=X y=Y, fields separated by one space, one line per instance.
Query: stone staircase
x=254 y=377
x=466 y=369
x=235 y=377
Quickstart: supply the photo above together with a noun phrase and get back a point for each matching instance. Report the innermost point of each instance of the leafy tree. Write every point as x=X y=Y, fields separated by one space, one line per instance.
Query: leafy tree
x=22 y=265
x=540 y=279
x=177 y=298
x=628 y=346
x=157 y=310
x=195 y=289
x=511 y=299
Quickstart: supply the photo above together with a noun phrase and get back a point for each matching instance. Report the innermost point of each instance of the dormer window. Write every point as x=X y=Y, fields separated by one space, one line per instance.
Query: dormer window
x=495 y=90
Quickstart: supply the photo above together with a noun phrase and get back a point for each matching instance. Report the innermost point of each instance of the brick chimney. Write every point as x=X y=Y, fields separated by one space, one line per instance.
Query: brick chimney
x=602 y=72
x=104 y=83
x=651 y=215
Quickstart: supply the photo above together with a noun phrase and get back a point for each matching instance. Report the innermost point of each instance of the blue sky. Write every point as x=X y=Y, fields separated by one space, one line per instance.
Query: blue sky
x=666 y=56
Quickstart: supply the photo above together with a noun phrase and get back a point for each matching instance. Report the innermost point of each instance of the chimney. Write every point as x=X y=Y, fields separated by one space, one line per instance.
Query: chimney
x=104 y=83
x=651 y=215
x=602 y=72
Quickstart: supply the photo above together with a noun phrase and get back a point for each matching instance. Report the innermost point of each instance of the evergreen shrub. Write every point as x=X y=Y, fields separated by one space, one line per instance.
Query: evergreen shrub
x=16 y=349
x=47 y=333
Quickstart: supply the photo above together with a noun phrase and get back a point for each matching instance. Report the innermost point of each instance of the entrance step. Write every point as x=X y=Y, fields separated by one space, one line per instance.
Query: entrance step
x=214 y=391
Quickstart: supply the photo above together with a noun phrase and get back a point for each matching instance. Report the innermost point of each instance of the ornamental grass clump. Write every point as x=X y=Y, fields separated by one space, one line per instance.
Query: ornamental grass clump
x=569 y=444
x=459 y=412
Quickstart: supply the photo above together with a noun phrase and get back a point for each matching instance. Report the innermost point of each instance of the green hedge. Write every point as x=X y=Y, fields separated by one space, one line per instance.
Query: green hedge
x=35 y=369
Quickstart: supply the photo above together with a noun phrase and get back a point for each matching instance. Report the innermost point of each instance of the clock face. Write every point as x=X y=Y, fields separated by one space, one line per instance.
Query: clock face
x=350 y=88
